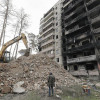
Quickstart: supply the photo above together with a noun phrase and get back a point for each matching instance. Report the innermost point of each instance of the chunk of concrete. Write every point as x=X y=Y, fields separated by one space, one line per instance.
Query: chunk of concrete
x=17 y=87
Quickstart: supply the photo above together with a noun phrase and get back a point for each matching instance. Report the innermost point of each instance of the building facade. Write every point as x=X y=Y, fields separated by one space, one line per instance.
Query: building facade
x=70 y=34
x=50 y=33
x=81 y=36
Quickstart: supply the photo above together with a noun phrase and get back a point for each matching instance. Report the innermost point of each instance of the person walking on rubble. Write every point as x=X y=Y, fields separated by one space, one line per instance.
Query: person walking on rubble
x=51 y=84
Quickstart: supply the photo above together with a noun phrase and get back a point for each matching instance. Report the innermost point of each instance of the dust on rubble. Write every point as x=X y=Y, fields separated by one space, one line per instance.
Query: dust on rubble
x=33 y=71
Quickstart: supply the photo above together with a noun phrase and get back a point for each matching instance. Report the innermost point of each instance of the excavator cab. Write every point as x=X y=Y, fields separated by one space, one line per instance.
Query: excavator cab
x=6 y=57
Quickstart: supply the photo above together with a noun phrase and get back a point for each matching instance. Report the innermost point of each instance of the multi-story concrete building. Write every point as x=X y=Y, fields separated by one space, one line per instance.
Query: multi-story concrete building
x=50 y=33
x=81 y=36
x=70 y=34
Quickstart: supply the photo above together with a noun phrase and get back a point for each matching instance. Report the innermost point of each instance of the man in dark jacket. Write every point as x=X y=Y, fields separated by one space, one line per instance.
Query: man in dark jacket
x=51 y=83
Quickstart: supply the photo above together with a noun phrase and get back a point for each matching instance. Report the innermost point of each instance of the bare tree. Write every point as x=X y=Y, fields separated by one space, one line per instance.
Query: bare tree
x=7 y=9
x=22 y=24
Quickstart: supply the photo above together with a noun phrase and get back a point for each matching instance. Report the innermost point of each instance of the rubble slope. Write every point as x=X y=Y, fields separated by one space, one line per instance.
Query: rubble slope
x=34 y=70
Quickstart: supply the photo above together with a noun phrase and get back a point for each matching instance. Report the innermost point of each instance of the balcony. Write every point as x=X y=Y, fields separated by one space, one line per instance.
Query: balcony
x=47 y=42
x=69 y=8
x=48 y=48
x=66 y=3
x=47 y=30
x=77 y=28
x=80 y=48
x=83 y=35
x=51 y=34
x=94 y=9
x=82 y=59
x=84 y=73
x=51 y=14
x=66 y=17
x=79 y=37
x=79 y=73
x=48 y=21
x=48 y=12
x=76 y=19
x=96 y=30
x=95 y=19
x=72 y=13
x=90 y=2
x=47 y=25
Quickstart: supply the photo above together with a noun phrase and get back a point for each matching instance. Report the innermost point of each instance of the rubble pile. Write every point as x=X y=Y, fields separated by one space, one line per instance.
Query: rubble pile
x=32 y=71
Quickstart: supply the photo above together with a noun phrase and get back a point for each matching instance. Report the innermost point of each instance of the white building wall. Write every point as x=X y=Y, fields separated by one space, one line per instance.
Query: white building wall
x=57 y=49
x=58 y=32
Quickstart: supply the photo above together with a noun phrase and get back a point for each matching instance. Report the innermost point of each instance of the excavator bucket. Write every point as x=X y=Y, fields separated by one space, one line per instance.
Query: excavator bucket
x=24 y=52
x=27 y=52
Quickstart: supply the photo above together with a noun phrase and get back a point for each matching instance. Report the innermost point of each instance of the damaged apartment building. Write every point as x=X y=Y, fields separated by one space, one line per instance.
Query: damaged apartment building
x=70 y=33
x=80 y=36
x=50 y=33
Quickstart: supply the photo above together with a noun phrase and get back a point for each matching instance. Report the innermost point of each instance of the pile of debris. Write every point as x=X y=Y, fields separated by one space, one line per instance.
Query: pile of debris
x=31 y=73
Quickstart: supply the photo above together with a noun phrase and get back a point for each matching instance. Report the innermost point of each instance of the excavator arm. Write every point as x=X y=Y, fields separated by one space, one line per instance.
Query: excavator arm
x=16 y=39
x=24 y=40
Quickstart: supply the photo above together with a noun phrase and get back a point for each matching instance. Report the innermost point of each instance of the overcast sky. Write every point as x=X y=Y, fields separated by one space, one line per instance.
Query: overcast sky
x=35 y=9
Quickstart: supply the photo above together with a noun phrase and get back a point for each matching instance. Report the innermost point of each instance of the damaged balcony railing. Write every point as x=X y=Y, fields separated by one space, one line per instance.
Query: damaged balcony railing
x=80 y=48
x=82 y=59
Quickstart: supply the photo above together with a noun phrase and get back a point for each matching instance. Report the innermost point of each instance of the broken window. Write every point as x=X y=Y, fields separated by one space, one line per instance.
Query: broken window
x=74 y=56
x=75 y=67
x=85 y=42
x=64 y=58
x=73 y=46
x=90 y=67
x=53 y=37
x=57 y=59
x=64 y=49
x=56 y=36
x=87 y=53
x=65 y=67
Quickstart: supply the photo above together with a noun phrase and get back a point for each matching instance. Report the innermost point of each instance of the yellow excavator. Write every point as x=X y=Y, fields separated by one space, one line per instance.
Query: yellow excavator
x=5 y=55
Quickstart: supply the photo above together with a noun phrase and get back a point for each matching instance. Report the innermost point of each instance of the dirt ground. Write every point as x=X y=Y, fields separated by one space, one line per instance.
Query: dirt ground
x=28 y=96
x=69 y=93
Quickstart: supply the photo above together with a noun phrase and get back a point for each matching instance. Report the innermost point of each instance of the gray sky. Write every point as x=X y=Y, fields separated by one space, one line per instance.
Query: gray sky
x=35 y=9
